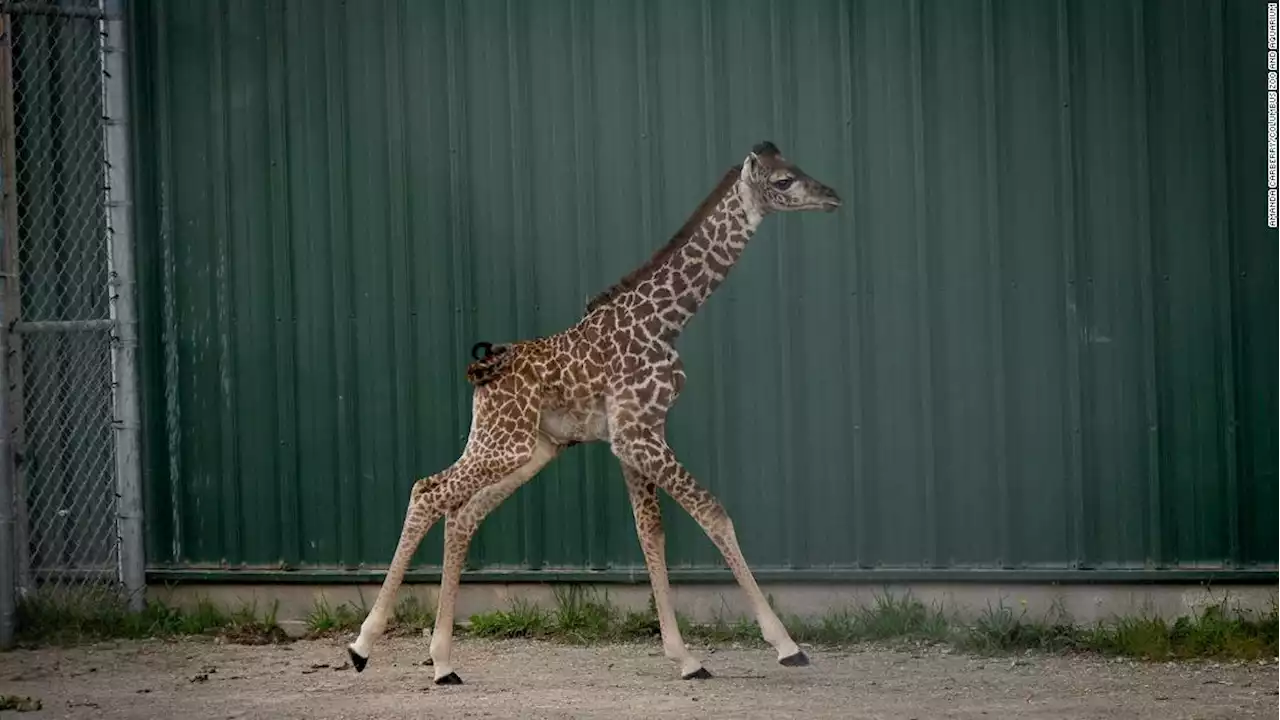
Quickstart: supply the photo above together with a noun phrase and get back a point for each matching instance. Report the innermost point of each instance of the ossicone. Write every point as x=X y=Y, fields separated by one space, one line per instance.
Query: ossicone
x=765 y=148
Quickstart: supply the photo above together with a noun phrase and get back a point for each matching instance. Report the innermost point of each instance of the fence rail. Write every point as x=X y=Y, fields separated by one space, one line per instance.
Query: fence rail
x=69 y=463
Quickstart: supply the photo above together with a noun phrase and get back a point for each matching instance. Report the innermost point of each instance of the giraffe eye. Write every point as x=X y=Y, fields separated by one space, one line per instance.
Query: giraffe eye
x=783 y=183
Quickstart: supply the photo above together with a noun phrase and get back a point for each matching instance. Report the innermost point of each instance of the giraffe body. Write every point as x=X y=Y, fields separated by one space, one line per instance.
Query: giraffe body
x=612 y=377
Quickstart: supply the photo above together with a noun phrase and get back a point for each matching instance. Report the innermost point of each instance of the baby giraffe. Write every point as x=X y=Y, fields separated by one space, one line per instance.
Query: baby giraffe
x=612 y=377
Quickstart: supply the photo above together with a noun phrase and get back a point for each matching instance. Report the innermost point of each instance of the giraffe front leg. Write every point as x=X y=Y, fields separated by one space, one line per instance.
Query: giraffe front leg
x=648 y=451
x=648 y=515
x=460 y=527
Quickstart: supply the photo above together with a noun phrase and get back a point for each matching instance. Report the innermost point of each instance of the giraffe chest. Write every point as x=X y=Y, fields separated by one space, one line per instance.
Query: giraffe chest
x=580 y=422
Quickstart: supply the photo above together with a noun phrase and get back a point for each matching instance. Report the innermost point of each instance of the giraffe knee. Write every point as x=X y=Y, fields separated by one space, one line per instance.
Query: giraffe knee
x=720 y=523
x=460 y=527
x=711 y=514
x=649 y=523
x=424 y=486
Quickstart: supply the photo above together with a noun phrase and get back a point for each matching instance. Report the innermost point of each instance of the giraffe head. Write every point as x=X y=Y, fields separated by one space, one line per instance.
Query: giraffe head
x=778 y=185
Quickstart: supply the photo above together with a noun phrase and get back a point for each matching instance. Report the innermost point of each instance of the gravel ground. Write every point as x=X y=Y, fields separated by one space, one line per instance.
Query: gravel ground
x=196 y=679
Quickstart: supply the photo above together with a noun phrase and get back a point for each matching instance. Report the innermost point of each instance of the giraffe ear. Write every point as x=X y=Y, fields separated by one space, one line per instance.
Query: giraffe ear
x=751 y=168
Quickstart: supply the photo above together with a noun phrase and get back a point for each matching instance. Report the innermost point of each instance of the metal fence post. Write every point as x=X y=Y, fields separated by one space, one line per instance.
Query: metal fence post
x=8 y=558
x=8 y=571
x=8 y=489
x=119 y=203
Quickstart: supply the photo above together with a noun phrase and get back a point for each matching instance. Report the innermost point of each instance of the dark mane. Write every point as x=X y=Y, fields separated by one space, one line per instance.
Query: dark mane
x=635 y=277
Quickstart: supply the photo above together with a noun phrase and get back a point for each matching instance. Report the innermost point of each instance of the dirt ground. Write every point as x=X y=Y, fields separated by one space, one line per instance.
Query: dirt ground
x=197 y=679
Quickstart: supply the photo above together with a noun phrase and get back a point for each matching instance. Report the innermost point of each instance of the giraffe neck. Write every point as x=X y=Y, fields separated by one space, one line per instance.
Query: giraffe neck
x=667 y=300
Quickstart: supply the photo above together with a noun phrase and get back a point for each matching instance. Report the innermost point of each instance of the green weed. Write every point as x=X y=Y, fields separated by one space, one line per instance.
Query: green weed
x=581 y=616
x=325 y=619
x=411 y=616
x=523 y=620
x=69 y=619
x=1214 y=633
x=1001 y=630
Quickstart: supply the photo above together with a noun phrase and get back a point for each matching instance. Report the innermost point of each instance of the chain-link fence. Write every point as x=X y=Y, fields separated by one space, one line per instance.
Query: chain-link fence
x=72 y=431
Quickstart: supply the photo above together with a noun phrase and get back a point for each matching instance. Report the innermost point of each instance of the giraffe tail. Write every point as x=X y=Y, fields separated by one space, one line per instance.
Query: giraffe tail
x=491 y=362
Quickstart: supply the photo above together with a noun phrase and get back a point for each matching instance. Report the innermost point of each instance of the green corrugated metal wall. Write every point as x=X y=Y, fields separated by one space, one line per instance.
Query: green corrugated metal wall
x=1041 y=334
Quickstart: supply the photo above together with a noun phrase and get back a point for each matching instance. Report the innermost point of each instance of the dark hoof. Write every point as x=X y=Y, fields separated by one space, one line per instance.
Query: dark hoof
x=357 y=662
x=450 y=679
x=797 y=660
x=699 y=674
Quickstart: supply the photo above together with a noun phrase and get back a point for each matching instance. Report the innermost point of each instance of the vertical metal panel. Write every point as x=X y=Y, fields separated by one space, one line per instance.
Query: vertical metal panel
x=1252 y=297
x=1184 y=212
x=1066 y=195
x=1108 y=242
x=1040 y=333
x=964 y=345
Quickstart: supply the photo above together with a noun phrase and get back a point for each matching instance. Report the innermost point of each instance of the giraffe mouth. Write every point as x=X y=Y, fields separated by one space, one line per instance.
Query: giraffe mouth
x=829 y=202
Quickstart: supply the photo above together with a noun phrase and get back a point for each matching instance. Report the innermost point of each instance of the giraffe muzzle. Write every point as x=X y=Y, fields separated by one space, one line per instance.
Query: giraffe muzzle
x=830 y=202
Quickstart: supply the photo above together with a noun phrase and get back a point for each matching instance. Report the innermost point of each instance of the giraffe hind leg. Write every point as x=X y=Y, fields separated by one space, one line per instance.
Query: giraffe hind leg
x=504 y=437
x=460 y=527
x=430 y=499
x=416 y=524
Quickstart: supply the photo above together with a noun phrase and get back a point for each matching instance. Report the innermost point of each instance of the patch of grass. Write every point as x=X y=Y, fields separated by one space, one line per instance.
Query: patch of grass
x=523 y=620
x=890 y=618
x=69 y=619
x=1214 y=633
x=581 y=616
x=247 y=627
x=1000 y=630
x=639 y=625
x=1220 y=633
x=411 y=616
x=1133 y=637
x=204 y=618
x=325 y=619
x=723 y=630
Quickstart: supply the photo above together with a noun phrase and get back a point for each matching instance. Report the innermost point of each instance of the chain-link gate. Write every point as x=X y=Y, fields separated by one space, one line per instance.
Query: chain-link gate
x=71 y=404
